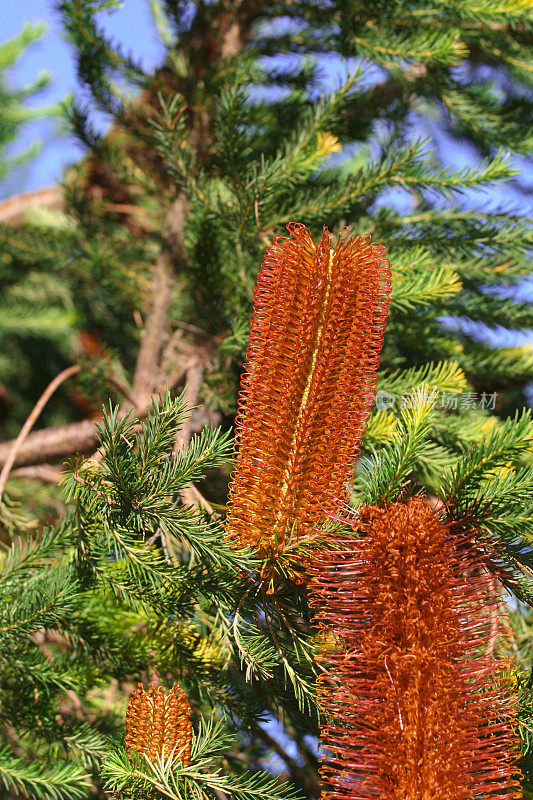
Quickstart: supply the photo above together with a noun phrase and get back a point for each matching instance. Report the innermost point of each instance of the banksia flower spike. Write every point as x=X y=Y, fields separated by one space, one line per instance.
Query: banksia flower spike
x=415 y=705
x=158 y=724
x=308 y=384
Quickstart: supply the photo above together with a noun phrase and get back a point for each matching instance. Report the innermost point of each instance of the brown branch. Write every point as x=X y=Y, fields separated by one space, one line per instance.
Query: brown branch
x=82 y=437
x=43 y=473
x=193 y=384
x=190 y=496
x=53 y=444
x=79 y=480
x=172 y=253
x=168 y=380
x=56 y=444
x=13 y=210
x=172 y=379
x=34 y=415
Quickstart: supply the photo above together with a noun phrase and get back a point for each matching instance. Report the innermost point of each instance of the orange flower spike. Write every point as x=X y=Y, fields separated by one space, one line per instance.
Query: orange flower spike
x=308 y=384
x=414 y=703
x=159 y=724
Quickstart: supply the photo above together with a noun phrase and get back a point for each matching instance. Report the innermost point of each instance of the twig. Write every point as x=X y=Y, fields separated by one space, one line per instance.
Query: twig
x=169 y=351
x=173 y=379
x=186 y=326
x=30 y=422
x=190 y=496
x=79 y=480
x=193 y=384
x=52 y=444
x=193 y=497
x=154 y=328
x=168 y=381
x=121 y=387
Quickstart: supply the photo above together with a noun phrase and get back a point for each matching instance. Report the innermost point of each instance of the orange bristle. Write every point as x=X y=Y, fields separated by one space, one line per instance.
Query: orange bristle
x=415 y=705
x=158 y=724
x=308 y=384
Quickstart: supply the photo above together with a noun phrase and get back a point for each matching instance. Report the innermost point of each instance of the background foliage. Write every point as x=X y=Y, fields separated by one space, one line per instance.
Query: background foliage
x=144 y=277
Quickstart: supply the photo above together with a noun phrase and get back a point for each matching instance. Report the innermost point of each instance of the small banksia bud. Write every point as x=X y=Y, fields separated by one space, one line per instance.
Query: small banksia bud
x=159 y=724
x=308 y=384
x=415 y=705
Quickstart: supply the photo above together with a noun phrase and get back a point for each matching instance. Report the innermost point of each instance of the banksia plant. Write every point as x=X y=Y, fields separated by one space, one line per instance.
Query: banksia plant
x=308 y=384
x=159 y=724
x=415 y=703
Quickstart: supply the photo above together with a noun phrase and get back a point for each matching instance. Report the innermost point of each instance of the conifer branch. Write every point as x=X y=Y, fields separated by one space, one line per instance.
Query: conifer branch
x=65 y=782
x=391 y=468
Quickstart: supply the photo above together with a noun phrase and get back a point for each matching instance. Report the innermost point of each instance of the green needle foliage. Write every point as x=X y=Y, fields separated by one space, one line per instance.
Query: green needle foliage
x=145 y=279
x=130 y=581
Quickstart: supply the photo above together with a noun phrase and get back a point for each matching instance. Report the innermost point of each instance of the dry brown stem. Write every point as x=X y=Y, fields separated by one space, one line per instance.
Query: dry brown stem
x=30 y=422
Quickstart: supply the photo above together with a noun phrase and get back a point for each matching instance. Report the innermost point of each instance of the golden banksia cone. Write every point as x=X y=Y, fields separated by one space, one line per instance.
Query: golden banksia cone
x=158 y=724
x=315 y=339
x=415 y=704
